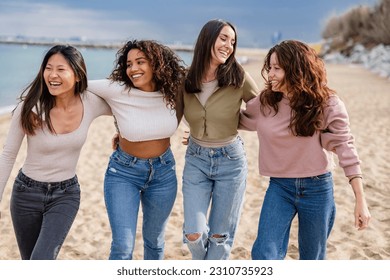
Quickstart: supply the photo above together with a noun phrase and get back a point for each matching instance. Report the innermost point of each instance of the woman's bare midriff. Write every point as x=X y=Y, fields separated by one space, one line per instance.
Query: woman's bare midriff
x=144 y=149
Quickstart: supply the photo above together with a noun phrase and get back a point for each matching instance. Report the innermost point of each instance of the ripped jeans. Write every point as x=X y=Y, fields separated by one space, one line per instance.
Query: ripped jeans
x=214 y=181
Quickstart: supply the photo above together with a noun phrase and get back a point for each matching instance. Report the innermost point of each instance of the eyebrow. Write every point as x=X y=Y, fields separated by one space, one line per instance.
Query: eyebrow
x=139 y=58
x=59 y=65
x=227 y=36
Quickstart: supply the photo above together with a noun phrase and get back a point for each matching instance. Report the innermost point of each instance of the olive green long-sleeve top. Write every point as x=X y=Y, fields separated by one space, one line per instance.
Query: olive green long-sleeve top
x=219 y=118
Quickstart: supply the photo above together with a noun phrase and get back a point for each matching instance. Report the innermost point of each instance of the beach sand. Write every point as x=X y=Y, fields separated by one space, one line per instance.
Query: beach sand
x=367 y=98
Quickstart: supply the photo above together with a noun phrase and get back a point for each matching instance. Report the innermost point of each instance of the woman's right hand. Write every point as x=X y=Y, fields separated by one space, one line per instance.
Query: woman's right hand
x=185 y=138
x=115 y=141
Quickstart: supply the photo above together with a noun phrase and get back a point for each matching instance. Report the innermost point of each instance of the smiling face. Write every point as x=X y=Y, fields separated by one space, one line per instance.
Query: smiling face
x=223 y=46
x=140 y=71
x=276 y=75
x=59 y=76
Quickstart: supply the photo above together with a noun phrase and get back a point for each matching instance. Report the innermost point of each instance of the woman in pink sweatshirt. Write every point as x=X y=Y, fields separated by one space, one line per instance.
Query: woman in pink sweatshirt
x=300 y=122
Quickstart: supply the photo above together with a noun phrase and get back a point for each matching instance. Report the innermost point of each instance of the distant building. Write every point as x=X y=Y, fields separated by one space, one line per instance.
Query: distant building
x=276 y=37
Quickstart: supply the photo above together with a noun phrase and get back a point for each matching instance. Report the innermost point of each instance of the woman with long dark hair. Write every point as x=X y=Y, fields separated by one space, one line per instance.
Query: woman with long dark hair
x=54 y=114
x=215 y=170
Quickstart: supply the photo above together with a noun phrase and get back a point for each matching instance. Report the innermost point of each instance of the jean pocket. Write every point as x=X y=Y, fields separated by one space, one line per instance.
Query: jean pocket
x=235 y=153
x=72 y=189
x=20 y=186
x=323 y=177
x=168 y=162
x=191 y=152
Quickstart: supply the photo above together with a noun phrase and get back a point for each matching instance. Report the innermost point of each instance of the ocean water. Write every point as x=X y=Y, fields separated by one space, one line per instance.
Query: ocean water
x=19 y=65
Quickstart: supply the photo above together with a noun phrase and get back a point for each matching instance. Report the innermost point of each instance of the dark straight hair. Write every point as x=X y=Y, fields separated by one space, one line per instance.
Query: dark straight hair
x=36 y=96
x=230 y=73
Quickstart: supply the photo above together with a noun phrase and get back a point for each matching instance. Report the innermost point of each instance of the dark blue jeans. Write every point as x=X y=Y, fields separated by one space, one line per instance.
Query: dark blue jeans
x=42 y=215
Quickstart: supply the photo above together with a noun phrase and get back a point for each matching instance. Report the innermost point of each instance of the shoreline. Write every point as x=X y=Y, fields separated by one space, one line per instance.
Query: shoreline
x=112 y=45
x=81 y=44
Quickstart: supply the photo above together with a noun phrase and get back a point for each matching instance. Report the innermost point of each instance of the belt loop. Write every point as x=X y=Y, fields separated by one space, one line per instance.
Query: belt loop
x=223 y=149
x=161 y=159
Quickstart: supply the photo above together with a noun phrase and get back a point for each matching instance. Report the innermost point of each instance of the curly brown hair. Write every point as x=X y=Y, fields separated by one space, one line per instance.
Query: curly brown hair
x=306 y=82
x=168 y=67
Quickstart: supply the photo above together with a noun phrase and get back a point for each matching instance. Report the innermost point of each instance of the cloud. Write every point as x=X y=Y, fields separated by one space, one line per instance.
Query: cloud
x=59 y=21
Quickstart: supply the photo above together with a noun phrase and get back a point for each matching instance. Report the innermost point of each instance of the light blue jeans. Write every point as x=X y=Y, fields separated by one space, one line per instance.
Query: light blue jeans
x=312 y=200
x=216 y=176
x=128 y=182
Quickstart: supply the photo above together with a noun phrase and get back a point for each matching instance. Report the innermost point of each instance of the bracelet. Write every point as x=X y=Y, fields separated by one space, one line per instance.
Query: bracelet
x=354 y=177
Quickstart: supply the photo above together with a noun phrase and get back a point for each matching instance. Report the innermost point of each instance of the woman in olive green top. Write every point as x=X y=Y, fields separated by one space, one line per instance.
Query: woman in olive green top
x=215 y=170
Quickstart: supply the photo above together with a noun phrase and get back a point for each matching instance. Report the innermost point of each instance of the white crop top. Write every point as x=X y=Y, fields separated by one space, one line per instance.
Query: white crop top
x=140 y=115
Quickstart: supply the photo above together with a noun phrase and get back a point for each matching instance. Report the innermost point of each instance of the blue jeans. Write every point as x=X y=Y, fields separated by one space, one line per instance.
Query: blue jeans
x=128 y=182
x=42 y=215
x=216 y=176
x=312 y=199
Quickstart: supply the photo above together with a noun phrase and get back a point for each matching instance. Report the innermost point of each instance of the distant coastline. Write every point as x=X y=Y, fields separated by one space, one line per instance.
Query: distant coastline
x=81 y=44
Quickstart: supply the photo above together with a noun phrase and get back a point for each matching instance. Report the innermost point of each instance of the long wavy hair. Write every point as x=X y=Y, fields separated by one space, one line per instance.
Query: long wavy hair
x=36 y=96
x=306 y=83
x=230 y=73
x=168 y=68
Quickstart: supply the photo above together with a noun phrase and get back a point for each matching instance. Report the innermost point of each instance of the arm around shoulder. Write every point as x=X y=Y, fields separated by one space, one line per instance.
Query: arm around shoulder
x=105 y=88
x=251 y=89
x=250 y=116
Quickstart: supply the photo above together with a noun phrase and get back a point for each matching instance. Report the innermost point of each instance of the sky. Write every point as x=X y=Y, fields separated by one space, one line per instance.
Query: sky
x=170 y=21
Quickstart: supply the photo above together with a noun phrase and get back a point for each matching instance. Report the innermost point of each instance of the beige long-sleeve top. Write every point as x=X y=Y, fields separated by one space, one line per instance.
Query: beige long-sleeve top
x=50 y=157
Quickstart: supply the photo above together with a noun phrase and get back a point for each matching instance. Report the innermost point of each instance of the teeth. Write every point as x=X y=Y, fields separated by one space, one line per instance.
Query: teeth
x=136 y=76
x=54 y=83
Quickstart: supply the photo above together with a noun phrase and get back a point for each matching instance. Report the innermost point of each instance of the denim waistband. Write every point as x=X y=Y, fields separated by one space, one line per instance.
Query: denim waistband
x=200 y=149
x=33 y=183
x=130 y=158
x=325 y=176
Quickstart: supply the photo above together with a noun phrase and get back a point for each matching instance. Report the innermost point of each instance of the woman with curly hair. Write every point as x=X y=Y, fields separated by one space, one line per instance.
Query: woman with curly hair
x=141 y=92
x=300 y=121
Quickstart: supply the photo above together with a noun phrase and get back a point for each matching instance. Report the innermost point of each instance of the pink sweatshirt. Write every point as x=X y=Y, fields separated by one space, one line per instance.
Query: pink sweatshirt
x=282 y=154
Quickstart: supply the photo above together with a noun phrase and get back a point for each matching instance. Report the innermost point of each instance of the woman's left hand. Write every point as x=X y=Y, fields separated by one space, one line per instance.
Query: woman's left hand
x=362 y=215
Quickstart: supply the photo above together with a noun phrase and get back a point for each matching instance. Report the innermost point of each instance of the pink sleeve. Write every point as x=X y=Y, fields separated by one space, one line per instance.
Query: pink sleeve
x=249 y=116
x=337 y=136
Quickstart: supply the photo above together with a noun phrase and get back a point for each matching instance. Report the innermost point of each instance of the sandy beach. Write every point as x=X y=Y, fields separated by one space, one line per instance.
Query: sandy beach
x=367 y=97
